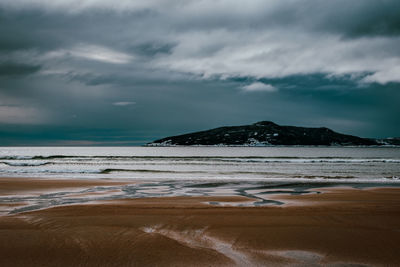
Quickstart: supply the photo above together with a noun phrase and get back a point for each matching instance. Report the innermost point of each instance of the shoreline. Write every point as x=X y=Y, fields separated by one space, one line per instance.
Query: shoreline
x=28 y=194
x=336 y=226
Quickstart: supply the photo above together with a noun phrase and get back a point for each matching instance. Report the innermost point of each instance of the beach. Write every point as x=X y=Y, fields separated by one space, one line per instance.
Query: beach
x=199 y=206
x=334 y=226
x=199 y=133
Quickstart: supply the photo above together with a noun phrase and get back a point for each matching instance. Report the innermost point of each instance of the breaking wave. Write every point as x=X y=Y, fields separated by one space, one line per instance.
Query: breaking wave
x=203 y=163
x=196 y=158
x=25 y=164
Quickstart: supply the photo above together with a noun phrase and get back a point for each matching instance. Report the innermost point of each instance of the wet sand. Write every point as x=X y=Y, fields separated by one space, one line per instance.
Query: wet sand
x=10 y=186
x=13 y=188
x=338 y=226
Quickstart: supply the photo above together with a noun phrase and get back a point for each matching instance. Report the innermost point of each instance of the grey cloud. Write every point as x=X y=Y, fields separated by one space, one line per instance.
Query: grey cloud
x=24 y=30
x=208 y=38
x=153 y=49
x=259 y=87
x=361 y=18
x=124 y=103
x=22 y=115
x=15 y=69
x=358 y=17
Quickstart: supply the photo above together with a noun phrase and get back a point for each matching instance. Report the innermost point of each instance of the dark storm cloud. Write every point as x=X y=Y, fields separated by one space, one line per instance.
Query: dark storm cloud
x=348 y=18
x=208 y=38
x=193 y=65
x=14 y=69
x=30 y=29
x=362 y=18
x=153 y=49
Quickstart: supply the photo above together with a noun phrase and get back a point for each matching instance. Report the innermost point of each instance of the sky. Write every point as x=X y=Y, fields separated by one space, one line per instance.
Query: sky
x=99 y=72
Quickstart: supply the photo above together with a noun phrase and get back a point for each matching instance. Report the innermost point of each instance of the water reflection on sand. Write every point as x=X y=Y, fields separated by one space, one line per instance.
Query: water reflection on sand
x=259 y=193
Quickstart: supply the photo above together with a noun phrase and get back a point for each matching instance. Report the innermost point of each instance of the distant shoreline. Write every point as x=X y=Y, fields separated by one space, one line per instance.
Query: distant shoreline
x=222 y=145
x=268 y=133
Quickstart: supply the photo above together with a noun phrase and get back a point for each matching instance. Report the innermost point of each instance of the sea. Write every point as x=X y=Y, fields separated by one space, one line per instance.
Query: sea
x=274 y=164
x=254 y=172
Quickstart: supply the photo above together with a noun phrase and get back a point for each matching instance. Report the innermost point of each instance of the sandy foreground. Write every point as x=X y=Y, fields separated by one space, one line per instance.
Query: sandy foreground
x=338 y=227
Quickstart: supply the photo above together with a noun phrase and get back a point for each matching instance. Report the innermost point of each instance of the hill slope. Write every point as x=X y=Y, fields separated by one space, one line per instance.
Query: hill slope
x=264 y=133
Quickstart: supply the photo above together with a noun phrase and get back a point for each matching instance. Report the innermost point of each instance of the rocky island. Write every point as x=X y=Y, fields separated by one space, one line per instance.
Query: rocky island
x=267 y=133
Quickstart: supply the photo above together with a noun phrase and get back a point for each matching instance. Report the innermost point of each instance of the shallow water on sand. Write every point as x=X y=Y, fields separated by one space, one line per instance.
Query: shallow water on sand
x=258 y=193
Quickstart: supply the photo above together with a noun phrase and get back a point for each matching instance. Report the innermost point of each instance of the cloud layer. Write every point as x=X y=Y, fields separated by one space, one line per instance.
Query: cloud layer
x=259 y=87
x=72 y=62
x=225 y=39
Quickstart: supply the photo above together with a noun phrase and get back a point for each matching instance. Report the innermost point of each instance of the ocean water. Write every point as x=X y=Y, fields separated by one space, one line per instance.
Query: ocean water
x=253 y=172
x=267 y=164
